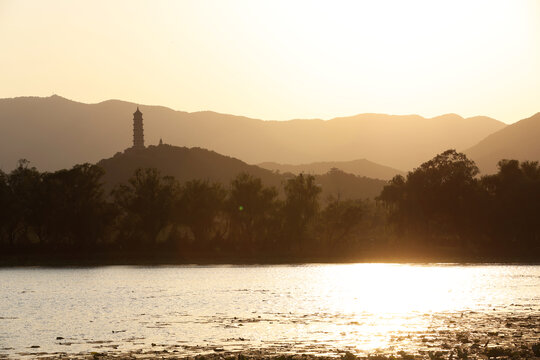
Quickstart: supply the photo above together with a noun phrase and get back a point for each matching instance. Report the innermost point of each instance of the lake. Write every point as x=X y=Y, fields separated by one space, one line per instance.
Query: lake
x=318 y=309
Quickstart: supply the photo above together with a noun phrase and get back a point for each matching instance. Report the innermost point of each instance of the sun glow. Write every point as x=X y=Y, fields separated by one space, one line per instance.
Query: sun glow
x=280 y=59
x=388 y=300
x=398 y=288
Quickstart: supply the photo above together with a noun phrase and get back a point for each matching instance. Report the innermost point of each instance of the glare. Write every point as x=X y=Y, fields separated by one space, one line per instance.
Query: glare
x=389 y=299
x=397 y=288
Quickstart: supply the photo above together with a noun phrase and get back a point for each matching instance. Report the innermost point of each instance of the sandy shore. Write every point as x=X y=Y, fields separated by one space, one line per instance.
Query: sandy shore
x=502 y=337
x=462 y=352
x=461 y=349
x=465 y=336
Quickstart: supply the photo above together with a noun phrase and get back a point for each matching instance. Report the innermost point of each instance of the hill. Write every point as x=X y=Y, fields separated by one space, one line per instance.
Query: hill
x=360 y=167
x=337 y=184
x=188 y=164
x=183 y=163
x=56 y=133
x=517 y=141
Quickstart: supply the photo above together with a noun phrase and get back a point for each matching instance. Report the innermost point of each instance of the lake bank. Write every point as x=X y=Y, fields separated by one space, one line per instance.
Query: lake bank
x=462 y=348
x=512 y=337
x=402 y=256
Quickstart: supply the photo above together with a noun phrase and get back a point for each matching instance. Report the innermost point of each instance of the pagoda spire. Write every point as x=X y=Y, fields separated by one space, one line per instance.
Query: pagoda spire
x=138 y=130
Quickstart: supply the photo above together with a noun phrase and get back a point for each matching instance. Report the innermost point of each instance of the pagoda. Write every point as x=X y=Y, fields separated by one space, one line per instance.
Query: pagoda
x=138 y=131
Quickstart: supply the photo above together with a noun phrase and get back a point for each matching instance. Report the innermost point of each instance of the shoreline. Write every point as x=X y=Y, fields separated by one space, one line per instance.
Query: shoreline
x=506 y=337
x=520 y=351
x=165 y=259
x=69 y=265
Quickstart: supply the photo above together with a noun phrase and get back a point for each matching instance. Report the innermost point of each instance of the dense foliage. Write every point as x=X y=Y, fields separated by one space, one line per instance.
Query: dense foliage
x=440 y=211
x=444 y=204
x=67 y=215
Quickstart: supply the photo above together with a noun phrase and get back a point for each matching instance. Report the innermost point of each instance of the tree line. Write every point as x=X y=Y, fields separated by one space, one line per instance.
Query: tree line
x=443 y=210
x=444 y=203
x=68 y=212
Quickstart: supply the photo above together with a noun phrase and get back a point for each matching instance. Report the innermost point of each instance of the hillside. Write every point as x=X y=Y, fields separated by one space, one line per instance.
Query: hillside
x=188 y=164
x=517 y=141
x=55 y=133
x=183 y=163
x=336 y=184
x=360 y=167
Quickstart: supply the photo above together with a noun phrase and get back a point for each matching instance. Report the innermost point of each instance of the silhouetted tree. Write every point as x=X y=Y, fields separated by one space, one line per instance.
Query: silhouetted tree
x=436 y=198
x=338 y=220
x=301 y=206
x=146 y=205
x=199 y=207
x=24 y=187
x=514 y=206
x=5 y=207
x=252 y=210
x=75 y=212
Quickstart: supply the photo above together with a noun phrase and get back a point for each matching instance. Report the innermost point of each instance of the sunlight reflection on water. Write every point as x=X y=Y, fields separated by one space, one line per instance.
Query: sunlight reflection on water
x=311 y=308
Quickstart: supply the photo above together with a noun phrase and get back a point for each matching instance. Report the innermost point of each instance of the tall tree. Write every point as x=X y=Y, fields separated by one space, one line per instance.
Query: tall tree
x=252 y=211
x=146 y=203
x=301 y=207
x=75 y=211
x=199 y=207
x=436 y=198
x=24 y=186
x=514 y=207
x=5 y=207
x=338 y=219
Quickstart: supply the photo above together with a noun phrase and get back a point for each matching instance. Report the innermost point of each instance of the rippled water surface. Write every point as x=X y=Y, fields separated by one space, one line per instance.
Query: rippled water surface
x=311 y=308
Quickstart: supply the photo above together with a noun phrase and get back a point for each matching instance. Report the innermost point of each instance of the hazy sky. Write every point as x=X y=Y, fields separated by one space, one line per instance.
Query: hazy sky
x=279 y=59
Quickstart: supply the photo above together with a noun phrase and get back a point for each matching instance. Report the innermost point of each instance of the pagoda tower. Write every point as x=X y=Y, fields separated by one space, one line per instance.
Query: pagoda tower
x=138 y=131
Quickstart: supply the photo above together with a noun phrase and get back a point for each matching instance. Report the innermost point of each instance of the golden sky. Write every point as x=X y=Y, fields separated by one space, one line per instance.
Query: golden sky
x=279 y=59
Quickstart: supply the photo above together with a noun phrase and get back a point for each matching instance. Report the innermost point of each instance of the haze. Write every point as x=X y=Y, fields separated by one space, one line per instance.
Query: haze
x=279 y=59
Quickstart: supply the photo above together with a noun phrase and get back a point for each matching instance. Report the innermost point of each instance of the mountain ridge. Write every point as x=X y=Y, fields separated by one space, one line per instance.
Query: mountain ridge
x=55 y=132
x=359 y=167
x=517 y=141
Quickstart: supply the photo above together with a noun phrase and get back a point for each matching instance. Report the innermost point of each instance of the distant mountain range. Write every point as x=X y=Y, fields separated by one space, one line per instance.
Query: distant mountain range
x=361 y=167
x=518 y=141
x=56 y=133
x=195 y=163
